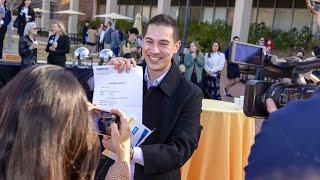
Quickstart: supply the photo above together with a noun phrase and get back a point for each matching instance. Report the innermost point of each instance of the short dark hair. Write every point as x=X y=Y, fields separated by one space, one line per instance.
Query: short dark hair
x=235 y=37
x=165 y=20
x=109 y=23
x=134 y=31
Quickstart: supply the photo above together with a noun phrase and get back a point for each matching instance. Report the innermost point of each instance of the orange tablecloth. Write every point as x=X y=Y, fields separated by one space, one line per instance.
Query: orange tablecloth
x=224 y=145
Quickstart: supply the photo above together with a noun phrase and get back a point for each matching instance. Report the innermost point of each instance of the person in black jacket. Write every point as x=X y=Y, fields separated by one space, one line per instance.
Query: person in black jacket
x=5 y=18
x=171 y=106
x=28 y=46
x=25 y=14
x=58 y=45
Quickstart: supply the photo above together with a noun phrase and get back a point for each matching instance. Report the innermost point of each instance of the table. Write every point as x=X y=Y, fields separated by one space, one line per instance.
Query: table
x=224 y=145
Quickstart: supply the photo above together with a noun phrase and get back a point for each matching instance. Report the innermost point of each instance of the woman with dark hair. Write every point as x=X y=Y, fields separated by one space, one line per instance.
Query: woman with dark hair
x=25 y=14
x=5 y=18
x=58 y=45
x=214 y=62
x=28 y=46
x=194 y=62
x=46 y=131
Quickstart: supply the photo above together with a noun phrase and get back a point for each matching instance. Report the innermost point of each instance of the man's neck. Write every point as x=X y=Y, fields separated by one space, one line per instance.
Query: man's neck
x=153 y=75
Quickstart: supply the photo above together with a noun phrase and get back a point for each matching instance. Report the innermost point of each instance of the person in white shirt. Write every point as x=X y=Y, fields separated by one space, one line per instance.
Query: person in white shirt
x=214 y=62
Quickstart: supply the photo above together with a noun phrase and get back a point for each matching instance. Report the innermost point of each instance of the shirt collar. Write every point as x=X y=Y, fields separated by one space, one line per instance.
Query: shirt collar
x=156 y=82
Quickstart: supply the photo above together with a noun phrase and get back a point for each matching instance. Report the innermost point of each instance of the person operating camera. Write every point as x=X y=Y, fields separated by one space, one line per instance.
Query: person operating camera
x=288 y=145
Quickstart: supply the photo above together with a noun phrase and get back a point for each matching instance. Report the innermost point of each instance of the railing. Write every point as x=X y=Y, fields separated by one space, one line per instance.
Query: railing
x=75 y=38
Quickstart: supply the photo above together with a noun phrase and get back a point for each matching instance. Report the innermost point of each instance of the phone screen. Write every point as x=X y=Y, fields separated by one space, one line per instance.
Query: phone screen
x=103 y=120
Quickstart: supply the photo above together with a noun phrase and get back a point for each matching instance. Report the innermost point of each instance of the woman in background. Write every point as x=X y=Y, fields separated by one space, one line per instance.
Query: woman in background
x=194 y=62
x=5 y=18
x=214 y=62
x=58 y=45
x=28 y=46
x=92 y=34
x=46 y=131
x=25 y=14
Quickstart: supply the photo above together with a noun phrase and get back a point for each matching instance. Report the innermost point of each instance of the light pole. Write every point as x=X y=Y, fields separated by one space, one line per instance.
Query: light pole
x=185 y=28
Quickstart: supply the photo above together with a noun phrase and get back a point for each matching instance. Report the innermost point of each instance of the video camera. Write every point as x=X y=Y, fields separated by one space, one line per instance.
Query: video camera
x=257 y=91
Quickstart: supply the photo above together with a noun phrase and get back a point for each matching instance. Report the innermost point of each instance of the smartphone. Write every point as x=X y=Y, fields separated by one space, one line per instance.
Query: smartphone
x=104 y=119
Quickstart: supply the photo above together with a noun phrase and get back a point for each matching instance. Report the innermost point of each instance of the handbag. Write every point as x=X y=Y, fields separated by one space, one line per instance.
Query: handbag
x=16 y=23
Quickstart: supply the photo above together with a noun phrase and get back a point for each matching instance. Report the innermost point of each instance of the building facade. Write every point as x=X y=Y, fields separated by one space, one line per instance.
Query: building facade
x=276 y=14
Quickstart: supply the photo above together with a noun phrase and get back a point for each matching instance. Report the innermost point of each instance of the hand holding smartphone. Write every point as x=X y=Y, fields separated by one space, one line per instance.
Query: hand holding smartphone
x=104 y=119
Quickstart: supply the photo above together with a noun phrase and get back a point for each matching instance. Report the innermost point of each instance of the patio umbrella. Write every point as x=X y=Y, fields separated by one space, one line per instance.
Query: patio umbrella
x=138 y=23
x=70 y=12
x=114 y=16
x=38 y=10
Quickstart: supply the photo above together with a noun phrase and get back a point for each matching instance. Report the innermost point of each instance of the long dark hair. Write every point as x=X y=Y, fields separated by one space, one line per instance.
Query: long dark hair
x=45 y=127
x=23 y=4
x=219 y=49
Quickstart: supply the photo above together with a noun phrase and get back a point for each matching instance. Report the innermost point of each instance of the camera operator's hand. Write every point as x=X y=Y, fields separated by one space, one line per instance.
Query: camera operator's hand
x=119 y=142
x=122 y=64
x=271 y=105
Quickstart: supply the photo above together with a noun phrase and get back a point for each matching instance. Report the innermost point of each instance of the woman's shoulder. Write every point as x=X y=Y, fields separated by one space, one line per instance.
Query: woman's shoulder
x=65 y=36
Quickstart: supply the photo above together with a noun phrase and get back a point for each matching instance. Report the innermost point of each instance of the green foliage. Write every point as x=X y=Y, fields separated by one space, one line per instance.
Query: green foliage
x=205 y=33
x=124 y=25
x=292 y=39
x=95 y=23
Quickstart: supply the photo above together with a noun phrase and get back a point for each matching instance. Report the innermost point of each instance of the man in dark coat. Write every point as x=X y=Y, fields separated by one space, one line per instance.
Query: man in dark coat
x=171 y=106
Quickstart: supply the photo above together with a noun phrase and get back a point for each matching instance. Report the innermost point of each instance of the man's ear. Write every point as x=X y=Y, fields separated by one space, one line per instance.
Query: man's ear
x=177 y=46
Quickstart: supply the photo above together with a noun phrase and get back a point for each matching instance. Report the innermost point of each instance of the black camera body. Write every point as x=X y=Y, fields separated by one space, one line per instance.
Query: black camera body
x=105 y=119
x=257 y=92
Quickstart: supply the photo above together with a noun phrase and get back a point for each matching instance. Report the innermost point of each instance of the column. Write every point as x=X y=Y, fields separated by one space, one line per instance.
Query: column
x=163 y=7
x=45 y=16
x=95 y=7
x=111 y=7
x=241 y=20
x=73 y=19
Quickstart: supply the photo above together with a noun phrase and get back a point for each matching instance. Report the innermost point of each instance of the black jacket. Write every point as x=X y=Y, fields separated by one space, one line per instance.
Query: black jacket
x=6 y=18
x=28 y=57
x=22 y=19
x=63 y=48
x=173 y=110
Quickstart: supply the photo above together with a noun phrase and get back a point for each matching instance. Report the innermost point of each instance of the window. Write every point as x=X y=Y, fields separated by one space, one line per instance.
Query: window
x=301 y=18
x=230 y=16
x=145 y=12
x=130 y=10
x=122 y=9
x=54 y=6
x=314 y=25
x=220 y=13
x=253 y=15
x=153 y=11
x=174 y=12
x=283 y=18
x=137 y=9
x=207 y=14
x=266 y=15
x=195 y=13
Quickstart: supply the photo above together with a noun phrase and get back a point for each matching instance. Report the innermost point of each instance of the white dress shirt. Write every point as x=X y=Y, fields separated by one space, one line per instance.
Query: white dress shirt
x=214 y=63
x=102 y=36
x=137 y=152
